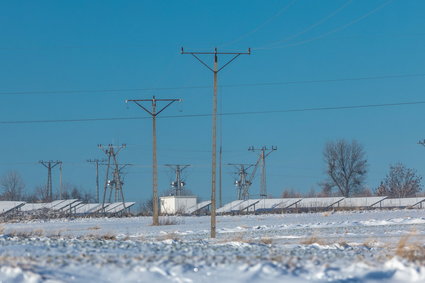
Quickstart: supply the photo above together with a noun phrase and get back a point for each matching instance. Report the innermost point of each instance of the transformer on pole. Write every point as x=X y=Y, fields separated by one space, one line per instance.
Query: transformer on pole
x=178 y=184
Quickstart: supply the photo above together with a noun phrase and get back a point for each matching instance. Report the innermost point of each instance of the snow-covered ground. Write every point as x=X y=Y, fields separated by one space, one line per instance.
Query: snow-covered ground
x=358 y=246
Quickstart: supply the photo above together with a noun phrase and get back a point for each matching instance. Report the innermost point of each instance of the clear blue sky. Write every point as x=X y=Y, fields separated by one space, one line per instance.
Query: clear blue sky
x=51 y=46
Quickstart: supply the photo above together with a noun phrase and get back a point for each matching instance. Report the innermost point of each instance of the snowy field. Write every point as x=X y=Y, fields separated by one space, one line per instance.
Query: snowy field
x=358 y=246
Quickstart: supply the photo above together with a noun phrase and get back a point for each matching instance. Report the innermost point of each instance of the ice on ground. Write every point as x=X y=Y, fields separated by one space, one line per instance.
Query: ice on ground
x=371 y=246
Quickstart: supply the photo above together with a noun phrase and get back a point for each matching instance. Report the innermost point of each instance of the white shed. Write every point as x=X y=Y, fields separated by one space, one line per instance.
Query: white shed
x=176 y=204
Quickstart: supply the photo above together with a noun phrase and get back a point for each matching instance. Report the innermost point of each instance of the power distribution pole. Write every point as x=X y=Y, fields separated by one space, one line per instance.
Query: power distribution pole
x=264 y=152
x=49 y=165
x=154 y=113
x=244 y=182
x=215 y=71
x=60 y=180
x=96 y=162
x=115 y=184
x=178 y=184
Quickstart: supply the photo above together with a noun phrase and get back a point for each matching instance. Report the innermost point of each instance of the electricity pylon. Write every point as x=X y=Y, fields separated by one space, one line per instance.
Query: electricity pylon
x=215 y=71
x=50 y=165
x=264 y=152
x=154 y=113
x=115 y=184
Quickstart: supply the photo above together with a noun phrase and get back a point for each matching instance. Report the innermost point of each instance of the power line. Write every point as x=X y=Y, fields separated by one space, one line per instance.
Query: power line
x=330 y=32
x=103 y=91
x=347 y=107
x=316 y=24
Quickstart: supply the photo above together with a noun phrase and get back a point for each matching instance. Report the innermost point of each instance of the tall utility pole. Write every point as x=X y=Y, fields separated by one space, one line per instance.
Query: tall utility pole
x=154 y=113
x=178 y=183
x=115 y=184
x=215 y=71
x=96 y=162
x=264 y=152
x=49 y=165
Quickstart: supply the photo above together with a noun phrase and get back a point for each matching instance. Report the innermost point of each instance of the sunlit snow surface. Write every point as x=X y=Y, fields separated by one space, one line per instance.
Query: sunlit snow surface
x=319 y=247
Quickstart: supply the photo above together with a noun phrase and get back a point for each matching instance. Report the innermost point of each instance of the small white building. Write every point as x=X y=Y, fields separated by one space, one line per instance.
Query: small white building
x=176 y=204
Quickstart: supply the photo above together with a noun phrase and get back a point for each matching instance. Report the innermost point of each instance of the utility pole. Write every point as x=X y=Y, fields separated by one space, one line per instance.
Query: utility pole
x=116 y=184
x=49 y=165
x=154 y=113
x=60 y=180
x=178 y=183
x=264 y=152
x=215 y=71
x=243 y=183
x=96 y=162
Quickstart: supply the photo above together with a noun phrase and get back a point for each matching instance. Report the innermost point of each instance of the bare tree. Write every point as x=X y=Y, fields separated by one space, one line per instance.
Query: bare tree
x=42 y=193
x=290 y=193
x=346 y=166
x=12 y=185
x=400 y=182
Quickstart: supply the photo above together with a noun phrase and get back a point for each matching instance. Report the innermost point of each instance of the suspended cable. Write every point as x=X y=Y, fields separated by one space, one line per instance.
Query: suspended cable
x=104 y=91
x=280 y=12
x=318 y=23
x=329 y=32
x=222 y=114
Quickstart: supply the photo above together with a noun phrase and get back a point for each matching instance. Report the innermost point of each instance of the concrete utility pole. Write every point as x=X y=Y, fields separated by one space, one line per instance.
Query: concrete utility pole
x=154 y=113
x=96 y=162
x=50 y=165
x=262 y=158
x=116 y=184
x=215 y=71
x=178 y=183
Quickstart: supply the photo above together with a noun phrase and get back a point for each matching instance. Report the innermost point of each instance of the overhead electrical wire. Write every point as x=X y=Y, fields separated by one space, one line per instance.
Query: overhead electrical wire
x=346 y=107
x=104 y=91
x=316 y=24
x=280 y=12
x=356 y=20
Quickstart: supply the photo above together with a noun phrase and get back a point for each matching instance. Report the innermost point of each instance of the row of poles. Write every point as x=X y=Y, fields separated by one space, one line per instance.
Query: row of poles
x=155 y=111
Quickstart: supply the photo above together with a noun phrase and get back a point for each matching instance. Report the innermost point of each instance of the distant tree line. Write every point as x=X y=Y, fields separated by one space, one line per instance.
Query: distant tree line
x=346 y=170
x=12 y=188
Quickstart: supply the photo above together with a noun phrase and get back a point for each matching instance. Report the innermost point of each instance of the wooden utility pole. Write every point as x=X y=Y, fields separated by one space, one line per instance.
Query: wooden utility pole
x=215 y=71
x=154 y=113
x=96 y=162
